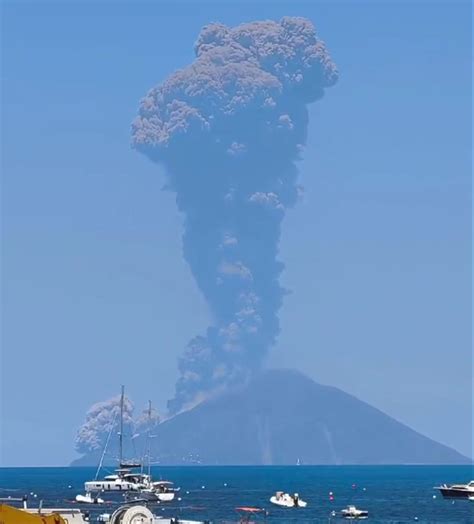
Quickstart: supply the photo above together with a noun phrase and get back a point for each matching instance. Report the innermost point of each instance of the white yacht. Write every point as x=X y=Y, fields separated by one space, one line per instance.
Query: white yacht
x=457 y=491
x=134 y=485
x=124 y=479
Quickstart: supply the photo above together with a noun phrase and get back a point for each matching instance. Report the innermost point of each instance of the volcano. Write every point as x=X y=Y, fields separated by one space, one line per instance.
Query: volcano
x=283 y=417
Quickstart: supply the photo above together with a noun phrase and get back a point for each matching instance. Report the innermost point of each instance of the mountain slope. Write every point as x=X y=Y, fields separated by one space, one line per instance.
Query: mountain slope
x=284 y=416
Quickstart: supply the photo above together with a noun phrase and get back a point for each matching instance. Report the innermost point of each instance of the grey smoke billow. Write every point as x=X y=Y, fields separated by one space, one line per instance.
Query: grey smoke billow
x=104 y=417
x=228 y=129
x=101 y=418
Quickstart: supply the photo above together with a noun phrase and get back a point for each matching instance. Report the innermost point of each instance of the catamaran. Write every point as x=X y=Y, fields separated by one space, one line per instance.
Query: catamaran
x=125 y=479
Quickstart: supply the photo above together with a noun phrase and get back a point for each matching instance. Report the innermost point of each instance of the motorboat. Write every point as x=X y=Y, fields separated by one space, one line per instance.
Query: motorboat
x=457 y=491
x=89 y=499
x=352 y=513
x=157 y=492
x=287 y=501
x=164 y=490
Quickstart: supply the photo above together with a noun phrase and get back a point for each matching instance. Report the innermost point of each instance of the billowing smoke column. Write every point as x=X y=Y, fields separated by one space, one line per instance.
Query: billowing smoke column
x=103 y=419
x=228 y=130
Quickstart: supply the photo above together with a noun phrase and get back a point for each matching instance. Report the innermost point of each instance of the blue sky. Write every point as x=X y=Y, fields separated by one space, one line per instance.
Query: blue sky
x=378 y=255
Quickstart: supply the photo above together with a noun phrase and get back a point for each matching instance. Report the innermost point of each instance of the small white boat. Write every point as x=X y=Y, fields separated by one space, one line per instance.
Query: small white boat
x=164 y=490
x=352 y=513
x=287 y=501
x=89 y=499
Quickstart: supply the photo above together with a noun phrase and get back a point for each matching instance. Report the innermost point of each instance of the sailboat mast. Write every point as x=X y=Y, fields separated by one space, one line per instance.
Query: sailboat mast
x=121 y=427
x=148 y=438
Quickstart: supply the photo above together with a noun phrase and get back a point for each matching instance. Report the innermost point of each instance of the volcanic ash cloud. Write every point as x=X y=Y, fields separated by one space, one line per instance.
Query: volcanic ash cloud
x=103 y=423
x=228 y=130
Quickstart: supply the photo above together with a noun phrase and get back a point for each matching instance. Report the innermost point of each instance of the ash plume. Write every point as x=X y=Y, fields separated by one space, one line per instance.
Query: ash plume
x=102 y=418
x=228 y=130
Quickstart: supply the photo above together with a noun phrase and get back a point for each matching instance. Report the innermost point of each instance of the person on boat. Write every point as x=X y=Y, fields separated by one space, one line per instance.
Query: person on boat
x=295 y=499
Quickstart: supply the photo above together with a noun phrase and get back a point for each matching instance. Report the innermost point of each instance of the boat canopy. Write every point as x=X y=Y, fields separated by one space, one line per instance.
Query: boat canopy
x=130 y=465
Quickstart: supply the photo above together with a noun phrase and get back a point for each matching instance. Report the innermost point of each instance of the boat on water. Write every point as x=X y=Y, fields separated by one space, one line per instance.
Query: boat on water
x=161 y=491
x=89 y=499
x=164 y=490
x=126 y=479
x=457 y=491
x=352 y=513
x=286 y=500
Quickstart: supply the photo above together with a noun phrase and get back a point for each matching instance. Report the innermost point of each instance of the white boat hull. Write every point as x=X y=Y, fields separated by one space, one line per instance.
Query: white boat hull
x=165 y=497
x=287 y=501
x=88 y=499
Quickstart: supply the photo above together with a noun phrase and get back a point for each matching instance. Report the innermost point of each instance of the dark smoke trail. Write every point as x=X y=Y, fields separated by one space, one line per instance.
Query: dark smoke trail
x=228 y=130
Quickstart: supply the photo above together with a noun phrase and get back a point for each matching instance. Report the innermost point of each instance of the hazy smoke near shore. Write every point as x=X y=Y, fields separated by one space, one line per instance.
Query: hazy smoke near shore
x=103 y=419
x=228 y=130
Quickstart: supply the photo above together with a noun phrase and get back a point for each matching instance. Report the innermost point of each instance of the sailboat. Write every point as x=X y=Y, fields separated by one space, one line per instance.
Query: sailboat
x=138 y=485
x=124 y=479
x=161 y=490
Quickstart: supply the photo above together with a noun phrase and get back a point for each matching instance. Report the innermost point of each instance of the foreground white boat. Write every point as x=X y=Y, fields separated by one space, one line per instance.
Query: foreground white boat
x=133 y=485
x=352 y=513
x=287 y=501
x=457 y=491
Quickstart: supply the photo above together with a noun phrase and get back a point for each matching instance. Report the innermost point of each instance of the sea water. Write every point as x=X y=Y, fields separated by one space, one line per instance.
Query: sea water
x=391 y=494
